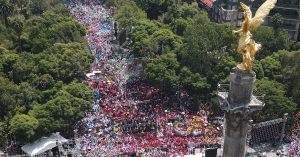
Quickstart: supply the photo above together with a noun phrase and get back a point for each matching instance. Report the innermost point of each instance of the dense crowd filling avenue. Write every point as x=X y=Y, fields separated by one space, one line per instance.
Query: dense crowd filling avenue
x=128 y=115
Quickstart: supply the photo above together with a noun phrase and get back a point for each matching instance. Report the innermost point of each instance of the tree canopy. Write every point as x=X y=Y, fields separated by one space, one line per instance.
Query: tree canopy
x=62 y=112
x=23 y=126
x=275 y=98
x=129 y=14
x=43 y=59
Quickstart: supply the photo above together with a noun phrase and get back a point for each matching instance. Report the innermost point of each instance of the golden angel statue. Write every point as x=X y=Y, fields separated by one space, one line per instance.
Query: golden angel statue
x=247 y=46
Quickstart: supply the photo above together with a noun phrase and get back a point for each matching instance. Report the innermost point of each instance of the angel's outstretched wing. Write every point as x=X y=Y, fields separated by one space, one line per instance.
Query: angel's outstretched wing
x=247 y=17
x=261 y=14
x=247 y=10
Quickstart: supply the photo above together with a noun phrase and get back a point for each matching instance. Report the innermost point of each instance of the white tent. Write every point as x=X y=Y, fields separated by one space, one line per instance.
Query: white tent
x=43 y=144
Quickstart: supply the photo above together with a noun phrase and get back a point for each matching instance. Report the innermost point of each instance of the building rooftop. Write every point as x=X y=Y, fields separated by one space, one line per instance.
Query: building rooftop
x=208 y=3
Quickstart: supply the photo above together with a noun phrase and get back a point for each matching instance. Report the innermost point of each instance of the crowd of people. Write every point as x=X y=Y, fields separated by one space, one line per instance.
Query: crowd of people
x=128 y=116
x=295 y=136
x=295 y=148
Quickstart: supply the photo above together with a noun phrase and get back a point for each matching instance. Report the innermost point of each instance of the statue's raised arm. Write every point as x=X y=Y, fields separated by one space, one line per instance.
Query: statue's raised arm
x=247 y=46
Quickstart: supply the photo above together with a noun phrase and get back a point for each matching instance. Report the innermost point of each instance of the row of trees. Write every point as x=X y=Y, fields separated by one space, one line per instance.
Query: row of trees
x=43 y=57
x=185 y=51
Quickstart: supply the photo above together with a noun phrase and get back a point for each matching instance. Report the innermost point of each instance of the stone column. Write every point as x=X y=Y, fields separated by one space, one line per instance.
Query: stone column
x=237 y=115
x=236 y=129
x=241 y=87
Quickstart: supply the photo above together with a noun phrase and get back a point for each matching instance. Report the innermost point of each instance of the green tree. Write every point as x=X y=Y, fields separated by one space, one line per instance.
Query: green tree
x=65 y=61
x=221 y=64
x=60 y=113
x=17 y=23
x=187 y=10
x=37 y=7
x=201 y=18
x=180 y=26
x=66 y=31
x=276 y=102
x=21 y=4
x=272 y=68
x=295 y=46
x=42 y=50
x=258 y=69
x=270 y=88
x=6 y=9
x=23 y=69
x=161 y=72
x=37 y=33
x=195 y=84
x=129 y=14
x=23 y=127
x=3 y=134
x=140 y=37
x=165 y=40
x=272 y=65
x=28 y=95
x=52 y=26
x=276 y=20
x=8 y=60
x=8 y=97
x=208 y=49
x=202 y=41
x=45 y=82
x=43 y=31
x=154 y=8
x=183 y=11
x=59 y=8
x=271 y=41
x=79 y=90
x=291 y=73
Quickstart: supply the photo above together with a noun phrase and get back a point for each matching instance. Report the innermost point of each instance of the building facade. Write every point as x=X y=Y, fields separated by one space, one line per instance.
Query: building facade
x=229 y=12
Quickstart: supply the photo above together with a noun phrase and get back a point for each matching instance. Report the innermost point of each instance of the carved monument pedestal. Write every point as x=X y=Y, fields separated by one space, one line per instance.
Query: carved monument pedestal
x=238 y=102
